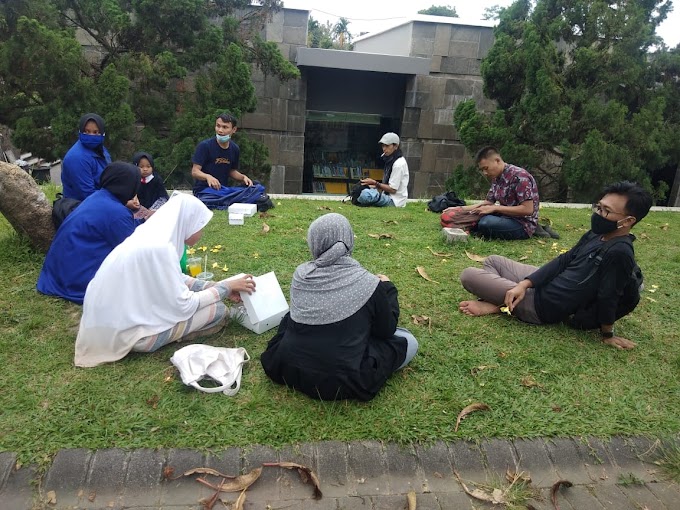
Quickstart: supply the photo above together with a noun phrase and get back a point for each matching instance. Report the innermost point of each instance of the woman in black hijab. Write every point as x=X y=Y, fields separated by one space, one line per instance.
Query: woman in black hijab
x=87 y=235
x=86 y=159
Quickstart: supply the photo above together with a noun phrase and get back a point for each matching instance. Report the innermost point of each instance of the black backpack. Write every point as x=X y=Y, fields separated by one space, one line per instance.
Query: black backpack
x=264 y=203
x=441 y=202
x=586 y=318
x=354 y=194
x=61 y=208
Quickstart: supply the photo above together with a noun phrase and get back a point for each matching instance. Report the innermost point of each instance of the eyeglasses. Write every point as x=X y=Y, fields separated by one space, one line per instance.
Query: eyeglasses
x=597 y=208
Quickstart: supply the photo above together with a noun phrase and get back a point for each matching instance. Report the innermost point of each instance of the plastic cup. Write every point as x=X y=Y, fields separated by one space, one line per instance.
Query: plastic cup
x=205 y=275
x=194 y=266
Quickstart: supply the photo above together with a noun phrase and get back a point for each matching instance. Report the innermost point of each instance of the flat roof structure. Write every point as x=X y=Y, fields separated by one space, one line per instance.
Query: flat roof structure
x=356 y=61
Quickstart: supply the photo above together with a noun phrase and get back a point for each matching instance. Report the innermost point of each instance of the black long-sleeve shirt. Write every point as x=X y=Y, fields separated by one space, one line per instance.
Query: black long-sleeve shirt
x=351 y=358
x=559 y=288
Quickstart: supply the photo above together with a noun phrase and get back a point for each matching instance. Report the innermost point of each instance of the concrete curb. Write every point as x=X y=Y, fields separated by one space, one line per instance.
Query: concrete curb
x=354 y=475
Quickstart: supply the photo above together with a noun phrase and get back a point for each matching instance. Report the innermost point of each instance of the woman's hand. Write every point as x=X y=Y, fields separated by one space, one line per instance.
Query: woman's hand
x=243 y=284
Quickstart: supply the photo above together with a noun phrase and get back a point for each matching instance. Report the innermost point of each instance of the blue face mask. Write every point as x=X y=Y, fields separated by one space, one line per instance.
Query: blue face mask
x=223 y=138
x=91 y=141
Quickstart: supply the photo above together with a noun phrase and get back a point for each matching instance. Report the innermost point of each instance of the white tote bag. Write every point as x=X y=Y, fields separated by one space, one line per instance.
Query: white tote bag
x=225 y=365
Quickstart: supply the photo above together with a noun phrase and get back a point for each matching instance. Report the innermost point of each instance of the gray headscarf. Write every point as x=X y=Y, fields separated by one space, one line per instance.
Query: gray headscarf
x=333 y=286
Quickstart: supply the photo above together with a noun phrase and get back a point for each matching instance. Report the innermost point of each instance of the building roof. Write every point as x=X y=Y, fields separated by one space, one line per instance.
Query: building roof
x=429 y=19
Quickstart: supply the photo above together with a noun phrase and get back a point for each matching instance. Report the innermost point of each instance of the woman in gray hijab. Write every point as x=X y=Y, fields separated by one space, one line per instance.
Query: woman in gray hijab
x=340 y=339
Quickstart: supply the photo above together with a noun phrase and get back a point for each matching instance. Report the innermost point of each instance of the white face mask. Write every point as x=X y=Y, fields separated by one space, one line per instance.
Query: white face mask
x=223 y=138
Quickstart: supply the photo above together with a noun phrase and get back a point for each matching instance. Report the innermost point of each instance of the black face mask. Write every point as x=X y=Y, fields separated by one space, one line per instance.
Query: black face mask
x=601 y=225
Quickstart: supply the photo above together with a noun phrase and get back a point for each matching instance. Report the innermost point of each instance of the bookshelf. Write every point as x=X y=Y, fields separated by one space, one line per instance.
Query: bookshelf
x=339 y=179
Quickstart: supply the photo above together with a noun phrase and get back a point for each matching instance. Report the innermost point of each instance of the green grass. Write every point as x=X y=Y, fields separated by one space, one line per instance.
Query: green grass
x=584 y=387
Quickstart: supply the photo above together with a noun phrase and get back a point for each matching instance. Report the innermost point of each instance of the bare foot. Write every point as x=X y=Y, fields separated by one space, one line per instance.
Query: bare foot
x=477 y=308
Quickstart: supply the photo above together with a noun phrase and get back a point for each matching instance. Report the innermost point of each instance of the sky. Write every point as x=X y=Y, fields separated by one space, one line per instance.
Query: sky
x=375 y=15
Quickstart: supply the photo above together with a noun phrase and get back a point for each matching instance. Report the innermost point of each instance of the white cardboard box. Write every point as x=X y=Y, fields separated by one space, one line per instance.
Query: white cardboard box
x=263 y=309
x=235 y=219
x=247 y=210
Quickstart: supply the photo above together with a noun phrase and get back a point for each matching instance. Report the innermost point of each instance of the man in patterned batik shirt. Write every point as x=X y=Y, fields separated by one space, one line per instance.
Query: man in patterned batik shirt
x=510 y=210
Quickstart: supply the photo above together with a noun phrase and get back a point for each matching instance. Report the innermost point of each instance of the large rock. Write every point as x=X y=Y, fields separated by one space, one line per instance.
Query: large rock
x=25 y=206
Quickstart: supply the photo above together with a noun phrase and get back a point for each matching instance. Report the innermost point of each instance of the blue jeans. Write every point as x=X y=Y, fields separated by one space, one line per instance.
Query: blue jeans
x=500 y=227
x=411 y=346
x=374 y=198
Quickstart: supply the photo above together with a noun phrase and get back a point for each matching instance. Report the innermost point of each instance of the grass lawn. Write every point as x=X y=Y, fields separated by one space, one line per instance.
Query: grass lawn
x=538 y=381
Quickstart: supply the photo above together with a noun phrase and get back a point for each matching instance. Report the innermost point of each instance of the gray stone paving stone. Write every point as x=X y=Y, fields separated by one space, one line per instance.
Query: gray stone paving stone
x=7 y=462
x=436 y=465
x=266 y=487
x=533 y=458
x=580 y=497
x=333 y=470
x=467 y=459
x=290 y=483
x=499 y=456
x=455 y=501
x=544 y=502
x=643 y=497
x=320 y=504
x=425 y=502
x=668 y=494
x=143 y=478
x=613 y=498
x=599 y=464
x=67 y=474
x=18 y=492
x=106 y=478
x=368 y=468
x=567 y=460
x=185 y=489
x=228 y=462
x=626 y=457
x=355 y=503
x=404 y=472
x=392 y=502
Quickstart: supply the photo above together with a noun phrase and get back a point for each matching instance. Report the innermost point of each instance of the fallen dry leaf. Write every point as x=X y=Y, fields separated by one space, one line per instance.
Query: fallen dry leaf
x=651 y=299
x=324 y=208
x=470 y=409
x=522 y=258
x=541 y=241
x=169 y=471
x=513 y=477
x=265 y=228
x=411 y=500
x=476 y=258
x=528 y=381
x=421 y=272
x=390 y=222
x=665 y=226
x=92 y=496
x=420 y=319
x=153 y=401
x=306 y=474
x=438 y=254
x=480 y=368
x=381 y=236
x=555 y=488
x=240 y=483
x=51 y=498
x=497 y=497
x=266 y=215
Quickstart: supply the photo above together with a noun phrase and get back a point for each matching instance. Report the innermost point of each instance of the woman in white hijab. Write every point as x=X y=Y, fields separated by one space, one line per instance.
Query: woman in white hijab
x=340 y=339
x=139 y=300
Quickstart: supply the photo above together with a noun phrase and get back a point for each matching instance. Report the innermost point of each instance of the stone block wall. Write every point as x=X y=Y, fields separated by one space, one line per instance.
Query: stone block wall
x=279 y=120
x=431 y=144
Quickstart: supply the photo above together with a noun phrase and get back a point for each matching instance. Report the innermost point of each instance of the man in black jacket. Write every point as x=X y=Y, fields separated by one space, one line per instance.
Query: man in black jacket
x=590 y=280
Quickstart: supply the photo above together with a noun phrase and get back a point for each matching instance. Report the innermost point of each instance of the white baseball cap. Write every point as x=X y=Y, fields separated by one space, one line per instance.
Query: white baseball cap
x=389 y=139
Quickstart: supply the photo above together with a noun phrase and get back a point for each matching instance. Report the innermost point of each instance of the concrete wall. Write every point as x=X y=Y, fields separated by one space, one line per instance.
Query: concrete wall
x=279 y=121
x=396 y=41
x=431 y=143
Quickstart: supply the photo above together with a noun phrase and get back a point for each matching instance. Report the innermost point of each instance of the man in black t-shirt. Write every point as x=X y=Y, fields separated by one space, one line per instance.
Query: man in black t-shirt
x=217 y=158
x=571 y=283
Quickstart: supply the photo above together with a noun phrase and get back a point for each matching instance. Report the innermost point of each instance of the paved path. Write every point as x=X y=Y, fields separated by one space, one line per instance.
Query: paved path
x=356 y=475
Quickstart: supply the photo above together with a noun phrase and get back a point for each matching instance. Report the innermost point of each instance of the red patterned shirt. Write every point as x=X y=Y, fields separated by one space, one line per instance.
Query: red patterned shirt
x=514 y=186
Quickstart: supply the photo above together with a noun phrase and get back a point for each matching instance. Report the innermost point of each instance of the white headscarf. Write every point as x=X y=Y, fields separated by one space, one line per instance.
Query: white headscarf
x=333 y=286
x=139 y=289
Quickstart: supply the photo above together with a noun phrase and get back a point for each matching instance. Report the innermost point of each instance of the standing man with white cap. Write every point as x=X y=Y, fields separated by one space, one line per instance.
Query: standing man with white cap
x=393 y=190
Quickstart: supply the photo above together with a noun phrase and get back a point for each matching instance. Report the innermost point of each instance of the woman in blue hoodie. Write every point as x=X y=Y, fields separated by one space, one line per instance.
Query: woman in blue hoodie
x=86 y=159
